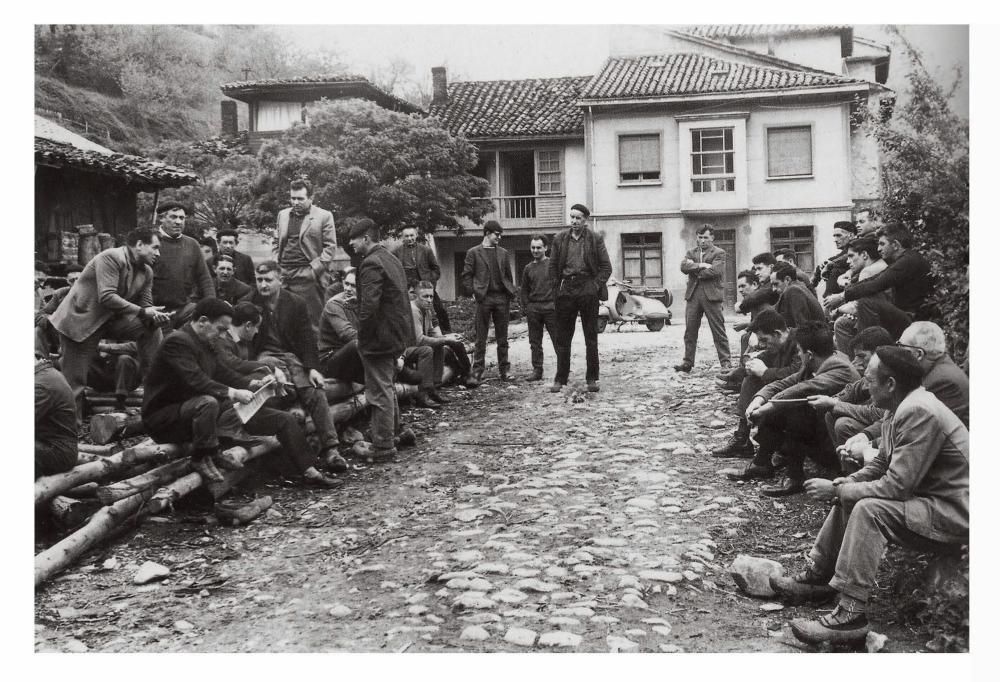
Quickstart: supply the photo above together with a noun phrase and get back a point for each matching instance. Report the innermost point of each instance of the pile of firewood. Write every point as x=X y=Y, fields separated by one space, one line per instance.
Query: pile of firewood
x=110 y=490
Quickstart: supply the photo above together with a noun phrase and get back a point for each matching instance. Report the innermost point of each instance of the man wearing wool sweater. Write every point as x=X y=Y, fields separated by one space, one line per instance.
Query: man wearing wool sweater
x=180 y=277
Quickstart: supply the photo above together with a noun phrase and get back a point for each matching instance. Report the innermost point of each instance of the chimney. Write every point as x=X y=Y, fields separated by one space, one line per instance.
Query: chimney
x=439 y=75
x=229 y=120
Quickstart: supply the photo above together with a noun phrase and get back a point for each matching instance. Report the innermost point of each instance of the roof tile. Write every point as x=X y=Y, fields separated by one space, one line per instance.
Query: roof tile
x=751 y=31
x=135 y=169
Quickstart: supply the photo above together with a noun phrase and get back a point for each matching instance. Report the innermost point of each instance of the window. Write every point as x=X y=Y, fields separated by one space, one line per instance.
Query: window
x=639 y=158
x=789 y=152
x=643 y=259
x=549 y=172
x=799 y=240
x=712 y=160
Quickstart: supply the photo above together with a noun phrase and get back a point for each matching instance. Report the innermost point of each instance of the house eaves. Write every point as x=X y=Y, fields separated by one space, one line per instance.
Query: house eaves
x=742 y=95
x=743 y=52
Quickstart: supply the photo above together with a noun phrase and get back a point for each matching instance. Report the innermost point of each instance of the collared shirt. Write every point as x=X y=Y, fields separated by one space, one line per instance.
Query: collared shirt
x=575 y=263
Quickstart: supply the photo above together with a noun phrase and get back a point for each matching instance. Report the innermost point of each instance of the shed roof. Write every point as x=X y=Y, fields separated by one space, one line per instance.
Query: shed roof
x=315 y=87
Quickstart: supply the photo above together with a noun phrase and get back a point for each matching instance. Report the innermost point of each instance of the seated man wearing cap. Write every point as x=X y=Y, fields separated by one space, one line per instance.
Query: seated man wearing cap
x=832 y=268
x=230 y=289
x=180 y=277
x=915 y=493
x=489 y=274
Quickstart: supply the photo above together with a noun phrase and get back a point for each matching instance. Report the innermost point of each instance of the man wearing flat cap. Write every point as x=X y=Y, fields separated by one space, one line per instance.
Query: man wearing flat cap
x=489 y=273
x=180 y=277
x=579 y=268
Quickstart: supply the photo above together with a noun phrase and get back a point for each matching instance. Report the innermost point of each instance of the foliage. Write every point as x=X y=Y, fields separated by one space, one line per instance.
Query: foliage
x=925 y=178
x=366 y=161
x=933 y=591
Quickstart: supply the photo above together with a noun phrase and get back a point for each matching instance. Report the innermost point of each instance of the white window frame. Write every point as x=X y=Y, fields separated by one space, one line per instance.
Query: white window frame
x=812 y=152
x=713 y=179
x=539 y=172
x=659 y=158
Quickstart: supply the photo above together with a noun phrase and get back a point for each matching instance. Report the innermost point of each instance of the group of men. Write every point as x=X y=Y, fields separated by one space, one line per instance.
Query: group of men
x=854 y=378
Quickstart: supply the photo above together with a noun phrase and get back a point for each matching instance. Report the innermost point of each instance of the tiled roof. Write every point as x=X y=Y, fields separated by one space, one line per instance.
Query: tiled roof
x=751 y=31
x=693 y=74
x=239 y=89
x=52 y=131
x=298 y=80
x=142 y=172
x=533 y=107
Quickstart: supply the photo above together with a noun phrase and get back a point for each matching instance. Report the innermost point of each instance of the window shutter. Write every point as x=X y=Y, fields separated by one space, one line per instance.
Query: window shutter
x=789 y=151
x=639 y=153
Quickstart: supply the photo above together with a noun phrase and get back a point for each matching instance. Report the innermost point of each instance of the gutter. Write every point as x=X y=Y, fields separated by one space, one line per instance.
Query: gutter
x=746 y=94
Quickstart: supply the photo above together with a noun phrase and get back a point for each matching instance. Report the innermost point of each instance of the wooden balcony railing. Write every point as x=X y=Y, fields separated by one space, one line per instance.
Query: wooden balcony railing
x=540 y=210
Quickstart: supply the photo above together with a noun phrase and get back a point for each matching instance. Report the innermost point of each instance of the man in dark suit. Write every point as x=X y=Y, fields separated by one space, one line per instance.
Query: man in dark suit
x=579 y=268
x=305 y=244
x=795 y=302
x=705 y=266
x=242 y=263
x=230 y=289
x=489 y=273
x=112 y=299
x=286 y=333
x=421 y=265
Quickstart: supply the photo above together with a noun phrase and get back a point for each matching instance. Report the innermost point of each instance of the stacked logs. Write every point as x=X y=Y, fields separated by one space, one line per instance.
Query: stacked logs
x=107 y=491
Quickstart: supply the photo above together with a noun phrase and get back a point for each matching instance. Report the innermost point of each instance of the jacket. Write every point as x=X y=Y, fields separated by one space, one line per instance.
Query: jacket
x=184 y=367
x=234 y=291
x=797 y=305
x=236 y=354
x=908 y=277
x=317 y=238
x=595 y=258
x=338 y=325
x=710 y=279
x=753 y=302
x=923 y=462
x=829 y=379
x=244 y=268
x=428 y=269
x=55 y=414
x=785 y=362
x=476 y=273
x=292 y=324
x=950 y=385
x=424 y=328
x=385 y=325
x=829 y=271
x=855 y=403
x=112 y=283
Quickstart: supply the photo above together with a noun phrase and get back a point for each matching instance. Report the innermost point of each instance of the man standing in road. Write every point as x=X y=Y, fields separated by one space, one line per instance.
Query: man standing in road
x=421 y=265
x=579 y=269
x=538 y=303
x=181 y=277
x=704 y=265
x=305 y=242
x=489 y=274
x=385 y=329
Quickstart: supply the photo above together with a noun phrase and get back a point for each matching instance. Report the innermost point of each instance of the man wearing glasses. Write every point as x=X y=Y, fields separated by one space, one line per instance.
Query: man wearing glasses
x=489 y=274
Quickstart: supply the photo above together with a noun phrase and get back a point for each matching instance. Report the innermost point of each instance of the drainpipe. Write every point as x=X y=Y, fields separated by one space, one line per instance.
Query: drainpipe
x=588 y=146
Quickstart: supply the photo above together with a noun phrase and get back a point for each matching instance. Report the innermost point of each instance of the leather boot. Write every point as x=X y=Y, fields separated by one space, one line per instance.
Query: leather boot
x=737 y=446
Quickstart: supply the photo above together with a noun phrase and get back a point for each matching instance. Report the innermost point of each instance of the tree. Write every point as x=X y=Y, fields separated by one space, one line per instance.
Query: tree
x=925 y=186
x=366 y=161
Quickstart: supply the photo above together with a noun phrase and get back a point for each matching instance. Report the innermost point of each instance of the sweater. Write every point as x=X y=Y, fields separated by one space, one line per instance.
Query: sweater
x=180 y=275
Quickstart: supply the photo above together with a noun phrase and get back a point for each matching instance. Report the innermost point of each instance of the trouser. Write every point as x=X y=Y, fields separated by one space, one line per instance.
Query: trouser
x=568 y=306
x=697 y=306
x=803 y=432
x=344 y=364
x=842 y=428
x=198 y=420
x=748 y=389
x=429 y=363
x=179 y=316
x=456 y=356
x=442 y=314
x=54 y=459
x=77 y=355
x=495 y=307
x=744 y=345
x=380 y=372
x=540 y=317
x=118 y=373
x=303 y=281
x=875 y=311
x=851 y=542
x=313 y=399
x=845 y=328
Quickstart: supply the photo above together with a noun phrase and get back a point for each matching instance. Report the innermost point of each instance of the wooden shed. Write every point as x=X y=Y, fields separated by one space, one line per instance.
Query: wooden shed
x=79 y=182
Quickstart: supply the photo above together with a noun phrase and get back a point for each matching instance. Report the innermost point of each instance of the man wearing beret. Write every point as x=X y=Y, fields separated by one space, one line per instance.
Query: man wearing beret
x=579 y=268
x=489 y=273
x=834 y=267
x=180 y=277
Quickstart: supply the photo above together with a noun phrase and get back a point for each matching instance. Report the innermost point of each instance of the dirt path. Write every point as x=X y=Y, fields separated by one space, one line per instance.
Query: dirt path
x=522 y=520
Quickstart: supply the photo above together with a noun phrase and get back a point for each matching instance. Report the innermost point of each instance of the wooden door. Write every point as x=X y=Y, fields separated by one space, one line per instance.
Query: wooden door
x=726 y=240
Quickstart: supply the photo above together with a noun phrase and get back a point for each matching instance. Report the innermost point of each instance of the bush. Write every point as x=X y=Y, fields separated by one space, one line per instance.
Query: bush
x=932 y=591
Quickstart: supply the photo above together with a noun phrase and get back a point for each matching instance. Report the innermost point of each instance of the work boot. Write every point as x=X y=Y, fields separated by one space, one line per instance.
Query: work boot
x=806 y=585
x=683 y=367
x=842 y=626
x=472 y=381
x=556 y=387
x=422 y=400
x=788 y=486
x=320 y=480
x=739 y=444
x=751 y=472
x=206 y=467
x=593 y=386
x=437 y=397
x=729 y=386
x=334 y=462
x=536 y=375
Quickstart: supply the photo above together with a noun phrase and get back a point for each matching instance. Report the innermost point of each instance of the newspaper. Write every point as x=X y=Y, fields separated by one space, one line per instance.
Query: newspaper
x=246 y=411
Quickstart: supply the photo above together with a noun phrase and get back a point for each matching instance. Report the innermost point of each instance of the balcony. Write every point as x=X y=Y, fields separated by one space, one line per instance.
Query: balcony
x=529 y=211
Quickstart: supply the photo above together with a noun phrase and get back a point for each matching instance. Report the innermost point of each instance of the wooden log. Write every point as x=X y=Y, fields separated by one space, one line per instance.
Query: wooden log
x=105 y=428
x=87 y=490
x=107 y=240
x=68 y=513
x=47 y=487
x=101 y=449
x=101 y=525
x=112 y=401
x=111 y=493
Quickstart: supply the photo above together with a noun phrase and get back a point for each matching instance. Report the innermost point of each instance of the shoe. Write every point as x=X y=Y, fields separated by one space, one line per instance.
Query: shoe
x=555 y=387
x=683 y=367
x=838 y=627
x=422 y=400
x=406 y=438
x=472 y=381
x=227 y=461
x=322 y=481
x=738 y=445
x=788 y=486
x=593 y=387
x=334 y=462
x=535 y=376
x=206 y=467
x=507 y=379
x=751 y=472
x=802 y=587
x=437 y=397
x=730 y=386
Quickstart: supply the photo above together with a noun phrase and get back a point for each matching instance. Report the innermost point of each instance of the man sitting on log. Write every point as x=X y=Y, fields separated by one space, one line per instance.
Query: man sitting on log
x=915 y=493
x=46 y=337
x=55 y=421
x=235 y=347
x=189 y=396
x=748 y=287
x=447 y=349
x=286 y=334
x=338 y=334
x=112 y=299
x=786 y=422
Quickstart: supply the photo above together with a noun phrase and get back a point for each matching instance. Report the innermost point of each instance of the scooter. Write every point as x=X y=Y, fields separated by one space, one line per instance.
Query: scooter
x=629 y=304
